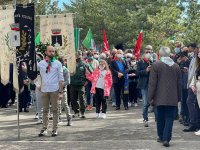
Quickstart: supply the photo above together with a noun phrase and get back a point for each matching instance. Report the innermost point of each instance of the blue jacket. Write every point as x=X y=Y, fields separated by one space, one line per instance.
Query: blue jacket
x=143 y=76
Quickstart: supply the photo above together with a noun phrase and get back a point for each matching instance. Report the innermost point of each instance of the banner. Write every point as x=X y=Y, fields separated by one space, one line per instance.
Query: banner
x=7 y=53
x=24 y=15
x=58 y=30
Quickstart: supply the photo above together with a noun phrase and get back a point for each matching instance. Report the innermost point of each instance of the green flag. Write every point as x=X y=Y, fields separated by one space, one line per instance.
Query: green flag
x=37 y=39
x=88 y=42
x=76 y=38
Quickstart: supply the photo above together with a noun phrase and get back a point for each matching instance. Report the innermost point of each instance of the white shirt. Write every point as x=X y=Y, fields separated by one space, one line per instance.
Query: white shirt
x=50 y=80
x=100 y=81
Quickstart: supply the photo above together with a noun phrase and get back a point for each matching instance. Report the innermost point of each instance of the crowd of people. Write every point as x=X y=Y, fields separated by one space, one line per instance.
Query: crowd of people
x=168 y=82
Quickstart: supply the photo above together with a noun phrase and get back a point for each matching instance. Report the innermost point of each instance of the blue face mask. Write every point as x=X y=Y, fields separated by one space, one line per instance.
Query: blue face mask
x=177 y=50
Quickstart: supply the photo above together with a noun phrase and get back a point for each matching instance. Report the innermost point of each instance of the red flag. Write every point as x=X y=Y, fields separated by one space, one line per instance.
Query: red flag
x=105 y=42
x=138 y=45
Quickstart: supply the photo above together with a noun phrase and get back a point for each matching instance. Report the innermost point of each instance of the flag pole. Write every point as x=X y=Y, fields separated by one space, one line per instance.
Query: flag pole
x=18 y=123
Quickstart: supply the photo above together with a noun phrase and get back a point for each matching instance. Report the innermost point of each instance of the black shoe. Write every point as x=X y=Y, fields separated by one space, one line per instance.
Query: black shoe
x=43 y=132
x=166 y=143
x=190 y=129
x=159 y=140
x=126 y=108
x=54 y=133
x=117 y=108
x=83 y=116
x=186 y=124
x=26 y=110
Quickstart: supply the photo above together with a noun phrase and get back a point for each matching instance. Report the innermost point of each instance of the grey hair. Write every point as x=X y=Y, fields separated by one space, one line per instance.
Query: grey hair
x=165 y=51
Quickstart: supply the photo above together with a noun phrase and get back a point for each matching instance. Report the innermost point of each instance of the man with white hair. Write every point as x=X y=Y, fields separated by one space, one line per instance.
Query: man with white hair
x=164 y=93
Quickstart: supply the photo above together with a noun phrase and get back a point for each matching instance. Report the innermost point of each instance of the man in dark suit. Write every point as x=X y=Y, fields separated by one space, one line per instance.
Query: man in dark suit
x=119 y=70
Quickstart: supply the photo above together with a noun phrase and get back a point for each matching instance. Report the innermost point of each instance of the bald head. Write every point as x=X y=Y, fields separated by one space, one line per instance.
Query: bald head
x=50 y=52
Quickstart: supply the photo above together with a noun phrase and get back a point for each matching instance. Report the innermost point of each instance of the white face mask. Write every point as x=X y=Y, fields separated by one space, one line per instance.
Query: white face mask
x=101 y=67
x=148 y=56
x=119 y=55
x=96 y=56
x=128 y=59
x=133 y=63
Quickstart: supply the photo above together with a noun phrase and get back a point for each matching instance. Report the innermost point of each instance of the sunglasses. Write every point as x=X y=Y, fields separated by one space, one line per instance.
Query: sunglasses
x=47 y=69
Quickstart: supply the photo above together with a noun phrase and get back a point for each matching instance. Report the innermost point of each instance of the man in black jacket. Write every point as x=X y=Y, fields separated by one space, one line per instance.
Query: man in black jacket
x=143 y=69
x=119 y=70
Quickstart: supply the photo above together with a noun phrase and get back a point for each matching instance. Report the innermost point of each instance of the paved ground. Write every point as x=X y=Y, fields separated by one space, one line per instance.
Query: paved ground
x=121 y=130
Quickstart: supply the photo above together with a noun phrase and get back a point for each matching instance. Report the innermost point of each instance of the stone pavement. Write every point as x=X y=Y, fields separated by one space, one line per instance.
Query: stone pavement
x=121 y=130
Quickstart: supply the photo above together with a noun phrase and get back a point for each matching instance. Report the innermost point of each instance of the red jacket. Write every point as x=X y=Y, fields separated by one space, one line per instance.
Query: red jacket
x=93 y=77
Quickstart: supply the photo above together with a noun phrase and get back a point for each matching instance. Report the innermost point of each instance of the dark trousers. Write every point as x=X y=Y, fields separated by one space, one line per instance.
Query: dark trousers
x=165 y=119
x=184 y=107
x=119 y=91
x=194 y=111
x=24 y=99
x=100 y=101
x=88 y=93
x=77 y=93
x=133 y=92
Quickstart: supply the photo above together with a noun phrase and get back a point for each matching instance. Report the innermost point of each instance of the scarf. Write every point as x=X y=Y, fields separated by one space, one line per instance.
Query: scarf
x=167 y=60
x=49 y=63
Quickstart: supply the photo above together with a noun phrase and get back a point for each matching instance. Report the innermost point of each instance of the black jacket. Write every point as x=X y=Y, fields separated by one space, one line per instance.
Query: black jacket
x=143 y=76
x=115 y=69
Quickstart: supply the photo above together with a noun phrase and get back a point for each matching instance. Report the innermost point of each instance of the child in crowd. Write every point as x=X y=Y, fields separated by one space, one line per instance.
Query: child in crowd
x=101 y=80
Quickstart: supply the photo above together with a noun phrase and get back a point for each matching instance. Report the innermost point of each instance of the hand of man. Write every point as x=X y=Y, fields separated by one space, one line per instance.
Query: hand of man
x=120 y=75
x=60 y=96
x=148 y=69
x=194 y=89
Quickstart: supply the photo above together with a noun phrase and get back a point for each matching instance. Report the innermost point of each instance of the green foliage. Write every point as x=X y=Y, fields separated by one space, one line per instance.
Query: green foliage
x=123 y=20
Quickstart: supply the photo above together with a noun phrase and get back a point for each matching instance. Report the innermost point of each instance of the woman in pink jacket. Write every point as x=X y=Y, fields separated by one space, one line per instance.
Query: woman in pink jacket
x=101 y=80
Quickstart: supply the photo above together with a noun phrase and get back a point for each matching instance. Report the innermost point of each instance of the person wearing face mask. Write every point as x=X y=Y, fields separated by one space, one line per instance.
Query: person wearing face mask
x=119 y=71
x=177 y=50
x=143 y=69
x=101 y=80
x=195 y=86
x=133 y=91
x=96 y=56
x=192 y=98
x=93 y=64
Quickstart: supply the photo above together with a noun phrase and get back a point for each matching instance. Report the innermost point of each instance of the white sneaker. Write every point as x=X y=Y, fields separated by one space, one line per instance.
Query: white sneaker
x=36 y=116
x=136 y=104
x=39 y=121
x=129 y=104
x=103 y=115
x=197 y=133
x=113 y=104
x=145 y=122
x=97 y=115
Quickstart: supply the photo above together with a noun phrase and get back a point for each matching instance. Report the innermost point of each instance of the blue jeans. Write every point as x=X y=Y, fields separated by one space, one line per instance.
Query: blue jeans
x=145 y=104
x=165 y=120
x=113 y=95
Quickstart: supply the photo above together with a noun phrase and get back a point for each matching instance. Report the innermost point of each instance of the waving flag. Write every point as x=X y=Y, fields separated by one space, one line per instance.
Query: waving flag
x=105 y=42
x=138 y=45
x=88 y=42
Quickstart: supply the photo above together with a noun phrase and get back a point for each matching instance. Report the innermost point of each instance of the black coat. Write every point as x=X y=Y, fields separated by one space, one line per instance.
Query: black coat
x=115 y=69
x=143 y=76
